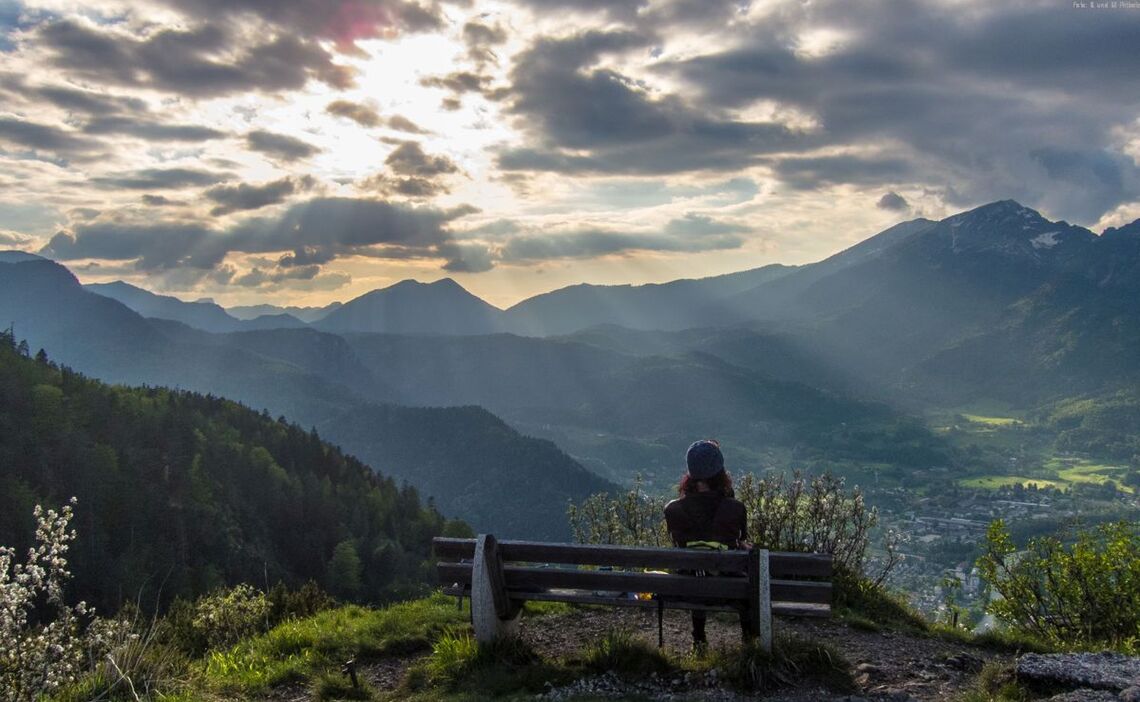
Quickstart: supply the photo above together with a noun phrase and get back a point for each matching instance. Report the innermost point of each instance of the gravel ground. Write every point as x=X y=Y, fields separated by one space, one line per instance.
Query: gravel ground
x=886 y=665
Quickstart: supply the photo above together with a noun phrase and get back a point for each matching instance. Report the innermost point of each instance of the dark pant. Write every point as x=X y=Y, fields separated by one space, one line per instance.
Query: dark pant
x=700 y=616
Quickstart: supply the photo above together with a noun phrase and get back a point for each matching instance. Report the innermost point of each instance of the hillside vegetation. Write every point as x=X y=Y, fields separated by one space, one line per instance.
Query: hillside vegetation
x=181 y=493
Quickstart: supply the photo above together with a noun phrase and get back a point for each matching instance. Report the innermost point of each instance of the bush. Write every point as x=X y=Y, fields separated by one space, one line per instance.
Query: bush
x=631 y=518
x=228 y=616
x=815 y=514
x=1086 y=593
x=45 y=642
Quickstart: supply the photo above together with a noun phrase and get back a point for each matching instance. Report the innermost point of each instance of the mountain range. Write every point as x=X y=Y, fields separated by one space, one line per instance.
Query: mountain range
x=821 y=362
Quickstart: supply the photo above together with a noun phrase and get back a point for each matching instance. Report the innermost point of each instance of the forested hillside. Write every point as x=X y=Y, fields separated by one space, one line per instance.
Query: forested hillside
x=181 y=492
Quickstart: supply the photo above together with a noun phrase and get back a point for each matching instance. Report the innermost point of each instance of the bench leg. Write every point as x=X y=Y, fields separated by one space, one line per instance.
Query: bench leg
x=492 y=613
x=760 y=602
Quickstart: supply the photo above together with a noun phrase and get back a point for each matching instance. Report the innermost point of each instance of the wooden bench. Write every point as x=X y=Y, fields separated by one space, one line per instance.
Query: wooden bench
x=500 y=576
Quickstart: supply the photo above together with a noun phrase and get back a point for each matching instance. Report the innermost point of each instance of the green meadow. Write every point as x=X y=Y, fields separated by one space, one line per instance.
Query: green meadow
x=1062 y=472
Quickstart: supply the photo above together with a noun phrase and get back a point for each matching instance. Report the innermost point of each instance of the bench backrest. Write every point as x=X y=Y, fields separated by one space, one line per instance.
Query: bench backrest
x=526 y=566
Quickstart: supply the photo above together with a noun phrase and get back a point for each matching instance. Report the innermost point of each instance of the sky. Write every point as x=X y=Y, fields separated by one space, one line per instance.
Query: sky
x=305 y=151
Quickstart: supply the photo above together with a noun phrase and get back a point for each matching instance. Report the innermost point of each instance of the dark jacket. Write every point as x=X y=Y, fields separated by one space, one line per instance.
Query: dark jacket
x=707 y=516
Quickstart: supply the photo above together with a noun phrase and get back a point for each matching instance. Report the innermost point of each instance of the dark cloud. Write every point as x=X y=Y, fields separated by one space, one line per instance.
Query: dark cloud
x=467 y=258
x=806 y=173
x=341 y=21
x=413 y=187
x=43 y=137
x=151 y=130
x=409 y=159
x=1097 y=180
x=205 y=61
x=87 y=101
x=244 y=196
x=311 y=232
x=451 y=104
x=159 y=201
x=161 y=179
x=259 y=277
x=280 y=146
x=619 y=9
x=363 y=115
x=154 y=247
x=465 y=81
x=479 y=39
x=694 y=225
x=403 y=124
x=595 y=120
x=967 y=99
x=305 y=256
x=894 y=202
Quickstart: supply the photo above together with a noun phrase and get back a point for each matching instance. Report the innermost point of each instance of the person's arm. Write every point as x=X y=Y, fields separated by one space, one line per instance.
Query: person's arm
x=671 y=525
x=744 y=542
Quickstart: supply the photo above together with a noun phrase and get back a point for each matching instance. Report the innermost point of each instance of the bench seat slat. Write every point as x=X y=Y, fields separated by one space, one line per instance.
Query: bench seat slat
x=523 y=577
x=787 y=609
x=781 y=564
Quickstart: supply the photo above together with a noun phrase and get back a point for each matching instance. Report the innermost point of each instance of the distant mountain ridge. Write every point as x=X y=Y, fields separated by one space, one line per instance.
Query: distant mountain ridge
x=410 y=307
x=46 y=305
x=206 y=316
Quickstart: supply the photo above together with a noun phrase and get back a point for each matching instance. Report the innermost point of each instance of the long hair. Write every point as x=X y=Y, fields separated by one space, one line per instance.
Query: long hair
x=721 y=482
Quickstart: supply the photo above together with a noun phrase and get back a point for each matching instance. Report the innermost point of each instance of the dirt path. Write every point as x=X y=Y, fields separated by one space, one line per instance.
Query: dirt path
x=886 y=665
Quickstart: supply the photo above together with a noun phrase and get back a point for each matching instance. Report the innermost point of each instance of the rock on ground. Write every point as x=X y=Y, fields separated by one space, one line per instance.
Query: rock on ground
x=1094 y=671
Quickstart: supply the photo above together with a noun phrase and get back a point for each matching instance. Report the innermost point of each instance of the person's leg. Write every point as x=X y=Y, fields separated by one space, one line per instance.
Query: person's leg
x=746 y=632
x=699 y=639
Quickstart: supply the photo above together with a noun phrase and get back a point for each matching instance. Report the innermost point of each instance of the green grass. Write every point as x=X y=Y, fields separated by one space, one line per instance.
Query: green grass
x=992 y=421
x=306 y=648
x=624 y=653
x=1063 y=472
x=792 y=661
x=996 y=683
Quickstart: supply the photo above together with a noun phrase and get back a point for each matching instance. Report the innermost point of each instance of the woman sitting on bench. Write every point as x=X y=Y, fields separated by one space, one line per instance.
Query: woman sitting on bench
x=706 y=515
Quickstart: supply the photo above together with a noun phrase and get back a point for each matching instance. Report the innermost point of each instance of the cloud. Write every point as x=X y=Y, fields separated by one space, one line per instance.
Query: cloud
x=807 y=173
x=14 y=239
x=83 y=101
x=204 y=61
x=45 y=138
x=467 y=258
x=161 y=178
x=591 y=243
x=363 y=115
x=244 y=196
x=403 y=124
x=894 y=202
x=479 y=39
x=151 y=130
x=618 y=9
x=695 y=225
x=409 y=159
x=281 y=146
x=465 y=81
x=957 y=99
x=414 y=187
x=586 y=119
x=311 y=232
x=341 y=21
x=158 y=201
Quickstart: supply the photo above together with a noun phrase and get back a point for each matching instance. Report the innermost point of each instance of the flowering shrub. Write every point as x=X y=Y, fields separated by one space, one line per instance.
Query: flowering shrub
x=44 y=642
x=228 y=616
x=629 y=519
